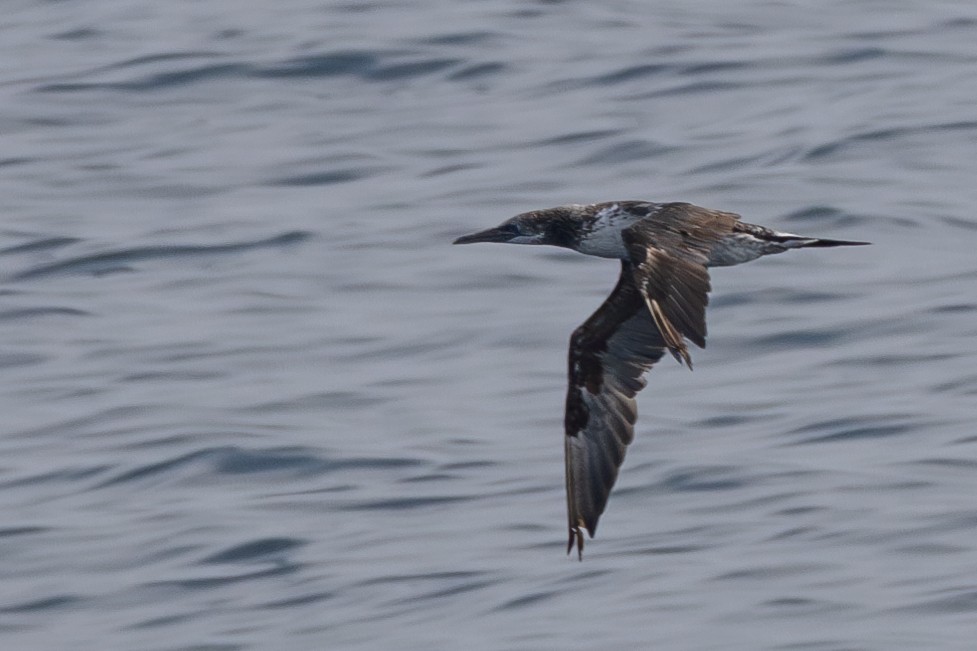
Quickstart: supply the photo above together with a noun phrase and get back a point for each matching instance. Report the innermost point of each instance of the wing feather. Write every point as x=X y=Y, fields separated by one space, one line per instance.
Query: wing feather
x=609 y=355
x=659 y=301
x=670 y=252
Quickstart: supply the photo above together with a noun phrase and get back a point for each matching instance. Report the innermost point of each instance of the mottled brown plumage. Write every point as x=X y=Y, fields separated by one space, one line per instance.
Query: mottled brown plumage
x=659 y=302
x=609 y=355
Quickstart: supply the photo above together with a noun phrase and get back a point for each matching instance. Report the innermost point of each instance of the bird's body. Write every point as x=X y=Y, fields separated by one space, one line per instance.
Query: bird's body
x=659 y=301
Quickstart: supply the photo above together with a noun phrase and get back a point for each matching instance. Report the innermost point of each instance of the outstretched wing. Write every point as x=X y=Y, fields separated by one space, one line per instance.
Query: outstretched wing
x=609 y=354
x=670 y=252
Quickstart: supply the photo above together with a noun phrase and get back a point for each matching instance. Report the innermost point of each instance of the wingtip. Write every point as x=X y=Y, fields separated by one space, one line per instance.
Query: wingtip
x=576 y=536
x=682 y=356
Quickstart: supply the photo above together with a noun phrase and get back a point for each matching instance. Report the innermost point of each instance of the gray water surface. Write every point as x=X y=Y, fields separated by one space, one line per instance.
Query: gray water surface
x=253 y=399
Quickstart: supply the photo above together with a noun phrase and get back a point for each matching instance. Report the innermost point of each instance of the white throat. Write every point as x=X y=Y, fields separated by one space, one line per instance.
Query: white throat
x=603 y=239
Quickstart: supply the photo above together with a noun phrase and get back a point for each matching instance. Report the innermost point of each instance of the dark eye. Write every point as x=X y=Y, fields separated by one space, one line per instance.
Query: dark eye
x=512 y=229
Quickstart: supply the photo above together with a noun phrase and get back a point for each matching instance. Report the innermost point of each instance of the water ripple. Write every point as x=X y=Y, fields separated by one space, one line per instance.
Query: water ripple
x=329 y=177
x=7 y=532
x=851 y=429
x=623 y=152
x=403 y=503
x=46 y=604
x=704 y=478
x=121 y=259
x=367 y=65
x=301 y=600
x=520 y=603
x=37 y=312
x=42 y=244
x=951 y=601
x=153 y=82
x=212 y=582
x=829 y=149
x=363 y=64
x=478 y=70
x=264 y=549
x=229 y=460
x=630 y=73
x=459 y=38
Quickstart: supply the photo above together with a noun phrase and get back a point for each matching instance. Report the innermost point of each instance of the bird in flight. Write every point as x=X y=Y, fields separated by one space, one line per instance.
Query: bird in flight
x=659 y=302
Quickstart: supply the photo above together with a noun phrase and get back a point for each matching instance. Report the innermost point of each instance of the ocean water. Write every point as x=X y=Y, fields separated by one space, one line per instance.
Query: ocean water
x=253 y=399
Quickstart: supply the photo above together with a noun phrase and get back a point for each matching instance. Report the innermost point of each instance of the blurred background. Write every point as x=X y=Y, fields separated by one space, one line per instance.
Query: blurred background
x=252 y=398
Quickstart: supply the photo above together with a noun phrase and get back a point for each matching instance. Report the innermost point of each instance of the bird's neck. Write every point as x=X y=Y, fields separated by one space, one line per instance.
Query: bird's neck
x=604 y=240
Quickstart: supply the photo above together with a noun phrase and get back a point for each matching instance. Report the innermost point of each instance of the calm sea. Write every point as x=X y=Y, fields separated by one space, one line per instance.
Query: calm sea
x=252 y=398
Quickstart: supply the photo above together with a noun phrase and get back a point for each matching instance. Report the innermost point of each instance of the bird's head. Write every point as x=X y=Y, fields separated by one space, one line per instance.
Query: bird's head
x=554 y=226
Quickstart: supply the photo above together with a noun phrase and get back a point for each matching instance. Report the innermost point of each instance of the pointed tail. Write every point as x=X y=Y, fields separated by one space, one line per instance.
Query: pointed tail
x=818 y=242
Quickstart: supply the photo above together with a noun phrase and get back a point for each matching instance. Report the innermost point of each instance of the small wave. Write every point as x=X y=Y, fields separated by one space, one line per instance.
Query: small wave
x=135 y=62
x=347 y=400
x=802 y=338
x=797 y=606
x=691 y=88
x=947 y=462
x=12 y=360
x=109 y=261
x=850 y=429
x=369 y=66
x=727 y=420
x=234 y=460
x=418 y=599
x=527 y=600
x=78 y=34
x=629 y=73
x=578 y=136
x=445 y=585
x=402 y=503
x=411 y=69
x=854 y=55
x=458 y=38
x=962 y=385
x=363 y=64
x=830 y=149
x=43 y=244
x=477 y=70
x=15 y=161
x=704 y=478
x=227 y=460
x=264 y=549
x=956 y=222
x=326 y=177
x=9 y=532
x=155 y=81
x=46 y=604
x=38 y=312
x=431 y=576
x=823 y=214
x=301 y=600
x=767 y=572
x=631 y=150
x=208 y=582
x=954 y=601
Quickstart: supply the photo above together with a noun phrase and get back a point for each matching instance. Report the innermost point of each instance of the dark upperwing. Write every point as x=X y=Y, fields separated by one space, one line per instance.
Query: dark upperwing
x=609 y=355
x=660 y=300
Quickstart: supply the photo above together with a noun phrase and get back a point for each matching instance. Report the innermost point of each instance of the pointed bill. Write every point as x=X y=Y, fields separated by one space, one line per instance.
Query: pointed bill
x=488 y=235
